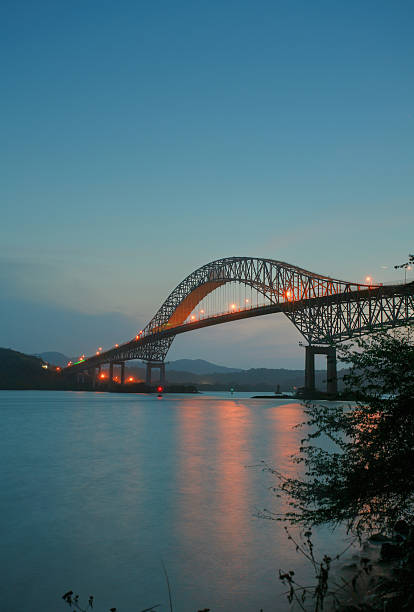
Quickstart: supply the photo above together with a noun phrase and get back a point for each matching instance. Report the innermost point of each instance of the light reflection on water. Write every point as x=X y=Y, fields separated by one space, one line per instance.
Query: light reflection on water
x=97 y=488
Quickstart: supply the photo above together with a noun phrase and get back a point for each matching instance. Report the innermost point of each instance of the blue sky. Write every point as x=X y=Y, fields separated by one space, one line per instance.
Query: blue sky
x=141 y=140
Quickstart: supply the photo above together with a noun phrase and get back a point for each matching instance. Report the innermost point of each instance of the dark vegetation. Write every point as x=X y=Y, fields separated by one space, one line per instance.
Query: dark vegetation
x=365 y=478
x=20 y=371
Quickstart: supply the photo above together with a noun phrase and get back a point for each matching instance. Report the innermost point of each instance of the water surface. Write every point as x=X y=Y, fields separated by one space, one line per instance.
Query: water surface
x=96 y=489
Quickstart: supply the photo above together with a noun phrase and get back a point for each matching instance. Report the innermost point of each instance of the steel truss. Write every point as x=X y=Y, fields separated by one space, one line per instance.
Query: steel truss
x=325 y=310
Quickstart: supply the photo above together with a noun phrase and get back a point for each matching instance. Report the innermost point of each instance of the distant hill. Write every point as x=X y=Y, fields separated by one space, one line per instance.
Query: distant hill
x=20 y=371
x=255 y=379
x=54 y=358
x=199 y=366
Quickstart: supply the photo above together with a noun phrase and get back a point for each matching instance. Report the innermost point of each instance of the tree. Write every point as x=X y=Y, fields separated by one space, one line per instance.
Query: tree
x=367 y=480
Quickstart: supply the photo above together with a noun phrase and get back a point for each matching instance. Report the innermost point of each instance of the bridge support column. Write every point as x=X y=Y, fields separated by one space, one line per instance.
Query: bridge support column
x=122 y=372
x=309 y=369
x=92 y=374
x=331 y=376
x=162 y=374
x=150 y=366
x=111 y=373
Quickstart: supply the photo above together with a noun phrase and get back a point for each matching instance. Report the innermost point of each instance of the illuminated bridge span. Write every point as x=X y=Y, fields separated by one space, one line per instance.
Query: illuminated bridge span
x=325 y=310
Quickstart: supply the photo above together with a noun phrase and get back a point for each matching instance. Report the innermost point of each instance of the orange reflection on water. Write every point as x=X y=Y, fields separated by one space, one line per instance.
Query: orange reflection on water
x=215 y=458
x=233 y=456
x=286 y=437
x=285 y=443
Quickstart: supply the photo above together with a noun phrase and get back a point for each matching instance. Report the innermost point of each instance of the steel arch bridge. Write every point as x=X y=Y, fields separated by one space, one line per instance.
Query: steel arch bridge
x=325 y=310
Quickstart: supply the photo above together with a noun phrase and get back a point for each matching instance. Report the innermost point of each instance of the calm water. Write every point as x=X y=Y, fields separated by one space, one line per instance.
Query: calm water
x=97 y=489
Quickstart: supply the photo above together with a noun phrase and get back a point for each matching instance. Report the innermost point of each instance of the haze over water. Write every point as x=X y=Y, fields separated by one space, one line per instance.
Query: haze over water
x=97 y=489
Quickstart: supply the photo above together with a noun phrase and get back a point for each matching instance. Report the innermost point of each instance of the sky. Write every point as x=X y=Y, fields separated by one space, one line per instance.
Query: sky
x=141 y=140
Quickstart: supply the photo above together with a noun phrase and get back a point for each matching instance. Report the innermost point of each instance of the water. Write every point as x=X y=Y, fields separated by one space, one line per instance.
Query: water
x=96 y=489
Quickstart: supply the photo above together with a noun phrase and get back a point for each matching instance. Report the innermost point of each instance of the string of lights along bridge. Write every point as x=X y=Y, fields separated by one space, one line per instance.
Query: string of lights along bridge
x=325 y=310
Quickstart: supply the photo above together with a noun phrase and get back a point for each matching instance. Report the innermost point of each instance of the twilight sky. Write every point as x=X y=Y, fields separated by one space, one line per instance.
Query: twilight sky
x=140 y=140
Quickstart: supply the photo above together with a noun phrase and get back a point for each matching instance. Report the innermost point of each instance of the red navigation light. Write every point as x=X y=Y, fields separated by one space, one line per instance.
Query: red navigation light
x=130 y=379
x=160 y=388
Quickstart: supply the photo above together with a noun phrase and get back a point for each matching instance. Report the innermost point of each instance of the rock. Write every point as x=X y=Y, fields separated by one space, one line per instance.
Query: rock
x=390 y=551
x=402 y=528
x=378 y=537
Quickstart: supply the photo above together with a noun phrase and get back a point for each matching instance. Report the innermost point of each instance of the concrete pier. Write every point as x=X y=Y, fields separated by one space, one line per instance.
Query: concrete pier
x=92 y=374
x=331 y=375
x=154 y=365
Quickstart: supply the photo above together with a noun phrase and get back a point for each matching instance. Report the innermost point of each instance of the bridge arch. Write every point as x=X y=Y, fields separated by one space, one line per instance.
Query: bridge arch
x=277 y=281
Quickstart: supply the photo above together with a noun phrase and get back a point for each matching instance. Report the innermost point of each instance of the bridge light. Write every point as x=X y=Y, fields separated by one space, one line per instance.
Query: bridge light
x=201 y=311
x=233 y=306
x=99 y=348
x=193 y=317
x=97 y=352
x=160 y=388
x=116 y=345
x=247 y=300
x=130 y=379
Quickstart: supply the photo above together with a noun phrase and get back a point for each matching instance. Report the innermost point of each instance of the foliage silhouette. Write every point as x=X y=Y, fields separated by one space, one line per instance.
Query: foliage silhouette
x=367 y=480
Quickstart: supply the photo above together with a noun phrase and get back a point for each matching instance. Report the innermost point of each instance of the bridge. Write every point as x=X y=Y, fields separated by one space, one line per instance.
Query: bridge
x=325 y=310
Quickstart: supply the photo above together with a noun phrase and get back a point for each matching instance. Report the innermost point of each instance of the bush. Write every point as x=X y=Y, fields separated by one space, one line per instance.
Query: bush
x=367 y=481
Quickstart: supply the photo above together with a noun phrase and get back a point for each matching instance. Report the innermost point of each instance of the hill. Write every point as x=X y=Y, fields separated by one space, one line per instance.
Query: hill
x=20 y=371
x=54 y=358
x=254 y=379
x=198 y=366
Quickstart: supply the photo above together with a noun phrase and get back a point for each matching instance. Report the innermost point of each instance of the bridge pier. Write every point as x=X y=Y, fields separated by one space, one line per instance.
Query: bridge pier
x=122 y=372
x=92 y=374
x=331 y=375
x=150 y=366
x=111 y=373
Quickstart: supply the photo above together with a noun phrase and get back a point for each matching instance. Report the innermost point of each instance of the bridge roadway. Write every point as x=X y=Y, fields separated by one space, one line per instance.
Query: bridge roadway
x=335 y=318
